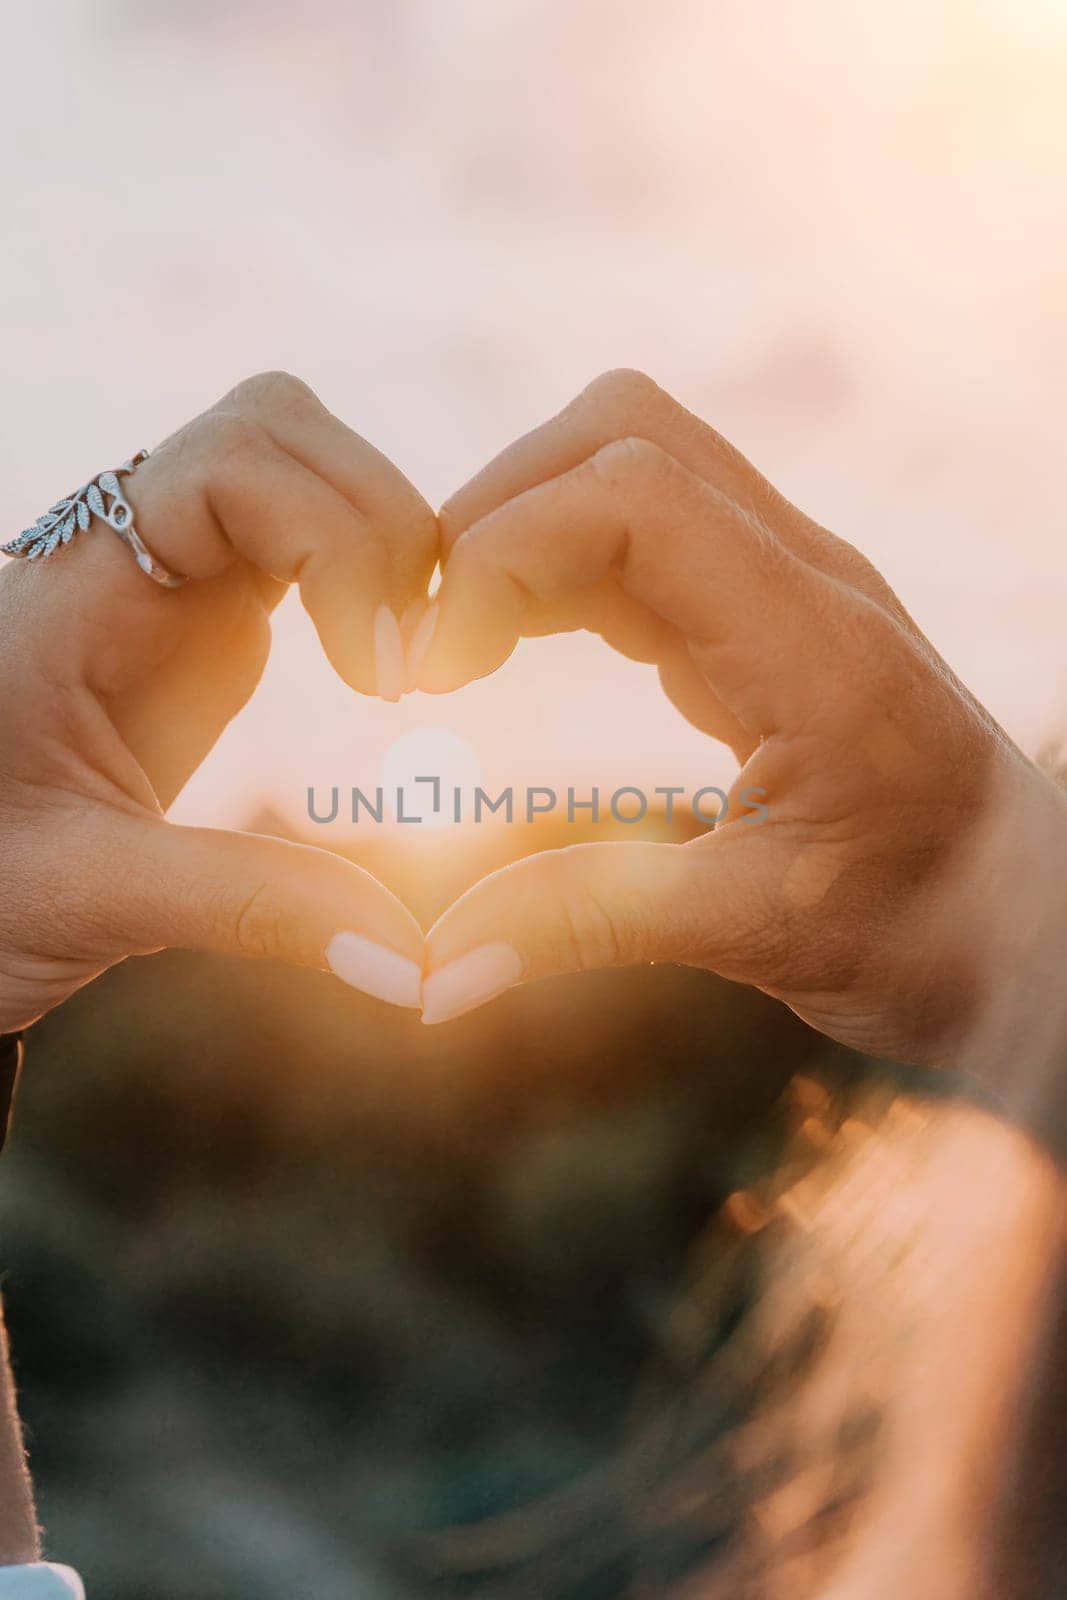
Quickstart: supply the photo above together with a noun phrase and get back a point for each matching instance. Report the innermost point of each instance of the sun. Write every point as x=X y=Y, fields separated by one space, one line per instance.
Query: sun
x=421 y=772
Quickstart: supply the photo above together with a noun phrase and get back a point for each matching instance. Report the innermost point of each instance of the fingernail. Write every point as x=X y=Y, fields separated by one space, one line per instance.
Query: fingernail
x=470 y=981
x=420 y=643
x=388 y=654
x=374 y=968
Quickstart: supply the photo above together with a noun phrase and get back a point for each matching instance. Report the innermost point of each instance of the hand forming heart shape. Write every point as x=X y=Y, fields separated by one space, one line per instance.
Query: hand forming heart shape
x=896 y=806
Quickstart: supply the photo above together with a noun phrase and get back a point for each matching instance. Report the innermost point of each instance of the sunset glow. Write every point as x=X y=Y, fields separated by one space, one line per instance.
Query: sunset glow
x=448 y=264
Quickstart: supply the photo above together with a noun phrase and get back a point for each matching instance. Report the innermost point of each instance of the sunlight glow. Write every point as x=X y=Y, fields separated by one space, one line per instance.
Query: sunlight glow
x=429 y=754
x=1040 y=19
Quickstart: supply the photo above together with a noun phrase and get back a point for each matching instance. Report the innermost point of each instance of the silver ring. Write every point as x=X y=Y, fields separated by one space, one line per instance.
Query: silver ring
x=102 y=498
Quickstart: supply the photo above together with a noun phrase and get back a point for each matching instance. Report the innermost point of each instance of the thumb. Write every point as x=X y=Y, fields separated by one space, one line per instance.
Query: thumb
x=586 y=906
x=245 y=894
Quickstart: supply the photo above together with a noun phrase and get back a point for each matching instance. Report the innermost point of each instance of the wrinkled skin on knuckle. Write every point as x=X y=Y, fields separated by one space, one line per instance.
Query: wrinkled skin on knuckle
x=910 y=756
x=183 y=455
x=272 y=919
x=632 y=466
x=905 y=715
x=783 y=908
x=587 y=930
x=851 y=566
x=828 y=552
x=260 y=923
x=267 y=392
x=764 y=548
x=235 y=449
x=227 y=436
x=619 y=398
x=197 y=453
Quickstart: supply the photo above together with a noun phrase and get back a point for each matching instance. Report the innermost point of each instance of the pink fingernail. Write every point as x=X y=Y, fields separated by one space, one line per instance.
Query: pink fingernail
x=420 y=643
x=388 y=654
x=374 y=968
x=470 y=981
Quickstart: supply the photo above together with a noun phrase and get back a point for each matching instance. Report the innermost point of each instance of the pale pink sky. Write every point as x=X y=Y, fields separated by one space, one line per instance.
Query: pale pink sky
x=836 y=230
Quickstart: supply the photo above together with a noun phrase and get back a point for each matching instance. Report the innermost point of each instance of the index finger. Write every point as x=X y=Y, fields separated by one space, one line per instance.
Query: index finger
x=626 y=404
x=294 y=416
x=762 y=626
x=270 y=479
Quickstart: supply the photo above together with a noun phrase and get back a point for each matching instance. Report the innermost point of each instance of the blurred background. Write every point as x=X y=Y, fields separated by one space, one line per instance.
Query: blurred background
x=337 y=1288
x=836 y=231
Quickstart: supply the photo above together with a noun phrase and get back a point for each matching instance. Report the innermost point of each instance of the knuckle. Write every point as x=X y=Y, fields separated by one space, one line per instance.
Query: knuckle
x=232 y=439
x=631 y=461
x=259 y=923
x=853 y=567
x=884 y=677
x=622 y=392
x=276 y=391
x=763 y=546
x=590 y=927
x=223 y=434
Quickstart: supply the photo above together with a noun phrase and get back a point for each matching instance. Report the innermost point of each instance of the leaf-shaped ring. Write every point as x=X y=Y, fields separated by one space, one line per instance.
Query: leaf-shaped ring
x=102 y=498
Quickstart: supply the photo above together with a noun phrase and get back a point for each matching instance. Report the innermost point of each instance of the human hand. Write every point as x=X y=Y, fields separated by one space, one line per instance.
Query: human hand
x=906 y=892
x=113 y=690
